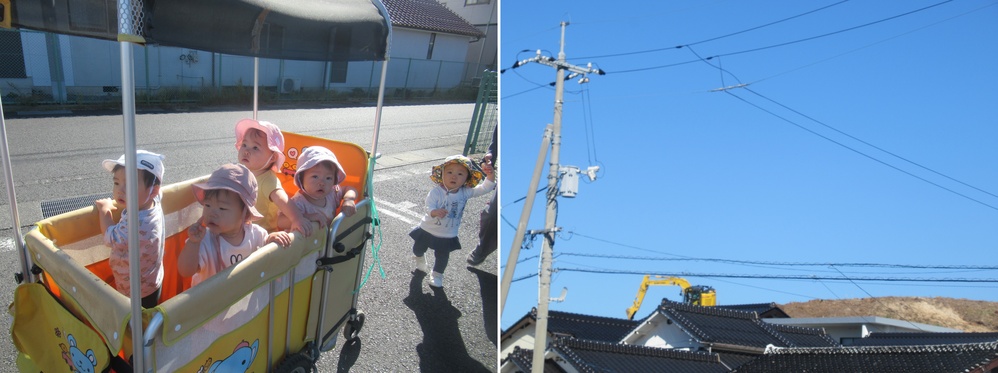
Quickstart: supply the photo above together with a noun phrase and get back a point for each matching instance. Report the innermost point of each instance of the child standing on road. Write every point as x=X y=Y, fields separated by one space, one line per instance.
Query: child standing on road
x=260 y=147
x=151 y=225
x=225 y=233
x=318 y=178
x=457 y=181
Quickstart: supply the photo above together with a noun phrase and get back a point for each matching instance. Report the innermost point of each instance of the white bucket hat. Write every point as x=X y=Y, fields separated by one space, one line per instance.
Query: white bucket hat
x=312 y=156
x=145 y=160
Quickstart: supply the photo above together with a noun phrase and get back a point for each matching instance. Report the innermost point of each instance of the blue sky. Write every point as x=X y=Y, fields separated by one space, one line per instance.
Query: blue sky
x=873 y=144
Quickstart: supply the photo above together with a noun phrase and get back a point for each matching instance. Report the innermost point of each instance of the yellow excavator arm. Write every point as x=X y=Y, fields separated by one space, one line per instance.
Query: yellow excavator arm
x=697 y=295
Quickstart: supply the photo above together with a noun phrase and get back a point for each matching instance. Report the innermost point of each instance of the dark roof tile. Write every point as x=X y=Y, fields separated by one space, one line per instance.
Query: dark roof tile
x=428 y=15
x=881 y=359
x=594 y=356
x=764 y=310
x=741 y=328
x=597 y=328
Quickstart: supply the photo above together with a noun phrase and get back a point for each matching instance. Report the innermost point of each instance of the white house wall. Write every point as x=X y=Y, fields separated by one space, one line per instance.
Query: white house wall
x=663 y=334
x=90 y=64
x=523 y=338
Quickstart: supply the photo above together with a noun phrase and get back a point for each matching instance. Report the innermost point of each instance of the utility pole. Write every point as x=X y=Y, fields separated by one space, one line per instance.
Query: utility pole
x=552 y=134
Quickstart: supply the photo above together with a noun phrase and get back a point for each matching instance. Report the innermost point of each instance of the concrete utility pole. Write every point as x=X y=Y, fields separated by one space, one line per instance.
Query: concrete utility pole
x=552 y=134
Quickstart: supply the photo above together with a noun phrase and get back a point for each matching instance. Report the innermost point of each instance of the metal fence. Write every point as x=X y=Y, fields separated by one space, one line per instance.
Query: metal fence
x=486 y=115
x=38 y=68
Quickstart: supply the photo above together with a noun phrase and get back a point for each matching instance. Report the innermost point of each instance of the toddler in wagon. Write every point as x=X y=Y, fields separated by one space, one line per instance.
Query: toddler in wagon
x=151 y=225
x=456 y=181
x=225 y=233
x=318 y=178
x=260 y=147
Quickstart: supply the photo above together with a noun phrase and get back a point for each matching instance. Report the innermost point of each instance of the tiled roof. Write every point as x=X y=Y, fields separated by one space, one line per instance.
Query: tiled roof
x=733 y=360
x=723 y=326
x=764 y=310
x=805 y=337
x=593 y=356
x=595 y=328
x=523 y=360
x=881 y=359
x=428 y=15
x=913 y=339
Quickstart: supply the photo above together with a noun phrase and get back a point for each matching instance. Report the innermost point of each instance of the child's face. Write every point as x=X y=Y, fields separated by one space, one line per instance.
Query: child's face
x=319 y=181
x=118 y=192
x=224 y=212
x=455 y=176
x=254 y=153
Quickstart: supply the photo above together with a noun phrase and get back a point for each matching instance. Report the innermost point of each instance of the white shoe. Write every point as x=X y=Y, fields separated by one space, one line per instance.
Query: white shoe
x=420 y=263
x=436 y=279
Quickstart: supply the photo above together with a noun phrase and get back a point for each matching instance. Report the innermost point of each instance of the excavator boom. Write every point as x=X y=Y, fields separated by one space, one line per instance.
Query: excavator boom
x=699 y=295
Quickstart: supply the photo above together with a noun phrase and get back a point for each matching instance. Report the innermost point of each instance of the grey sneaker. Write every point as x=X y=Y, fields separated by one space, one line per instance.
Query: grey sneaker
x=420 y=263
x=436 y=279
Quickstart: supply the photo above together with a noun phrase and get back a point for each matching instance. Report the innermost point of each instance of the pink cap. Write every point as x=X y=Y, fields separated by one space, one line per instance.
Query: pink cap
x=236 y=178
x=275 y=139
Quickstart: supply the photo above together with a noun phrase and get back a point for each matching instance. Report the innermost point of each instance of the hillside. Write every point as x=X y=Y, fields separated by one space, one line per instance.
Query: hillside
x=963 y=314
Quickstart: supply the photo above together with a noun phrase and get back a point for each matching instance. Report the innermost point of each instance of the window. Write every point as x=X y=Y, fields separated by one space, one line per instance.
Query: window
x=11 y=55
x=338 y=72
x=341 y=38
x=476 y=2
x=429 y=50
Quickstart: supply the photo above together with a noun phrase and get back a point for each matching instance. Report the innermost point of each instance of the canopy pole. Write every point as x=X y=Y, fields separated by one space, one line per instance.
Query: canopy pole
x=256 y=85
x=8 y=173
x=132 y=200
x=377 y=112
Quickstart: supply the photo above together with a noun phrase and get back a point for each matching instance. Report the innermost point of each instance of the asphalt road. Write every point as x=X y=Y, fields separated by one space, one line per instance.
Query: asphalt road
x=409 y=325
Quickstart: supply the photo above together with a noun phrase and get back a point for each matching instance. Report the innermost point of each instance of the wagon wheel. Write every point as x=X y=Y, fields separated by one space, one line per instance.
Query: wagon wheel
x=351 y=331
x=297 y=363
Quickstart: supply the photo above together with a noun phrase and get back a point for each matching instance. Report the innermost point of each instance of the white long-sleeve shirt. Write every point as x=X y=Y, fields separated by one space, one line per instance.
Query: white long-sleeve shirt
x=439 y=198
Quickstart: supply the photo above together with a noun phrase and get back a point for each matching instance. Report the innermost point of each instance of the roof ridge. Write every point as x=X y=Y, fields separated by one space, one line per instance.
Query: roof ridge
x=917 y=349
x=687 y=325
x=590 y=318
x=768 y=328
x=629 y=349
x=712 y=311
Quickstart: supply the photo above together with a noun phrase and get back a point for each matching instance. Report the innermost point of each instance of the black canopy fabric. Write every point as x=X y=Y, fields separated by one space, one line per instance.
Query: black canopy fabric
x=317 y=30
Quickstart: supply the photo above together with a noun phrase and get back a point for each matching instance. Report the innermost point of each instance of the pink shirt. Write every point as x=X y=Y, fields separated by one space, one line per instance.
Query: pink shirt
x=151 y=230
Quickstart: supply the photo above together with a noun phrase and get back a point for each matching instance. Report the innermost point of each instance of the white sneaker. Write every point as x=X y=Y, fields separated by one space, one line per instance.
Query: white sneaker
x=420 y=263
x=436 y=279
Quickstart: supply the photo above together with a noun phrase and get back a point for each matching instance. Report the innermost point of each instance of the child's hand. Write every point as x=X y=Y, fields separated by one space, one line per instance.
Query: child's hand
x=105 y=205
x=196 y=232
x=318 y=218
x=438 y=213
x=282 y=239
x=348 y=207
x=297 y=225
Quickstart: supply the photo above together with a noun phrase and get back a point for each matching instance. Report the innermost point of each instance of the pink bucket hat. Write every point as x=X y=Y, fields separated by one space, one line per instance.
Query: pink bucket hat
x=312 y=156
x=474 y=175
x=145 y=160
x=275 y=139
x=233 y=177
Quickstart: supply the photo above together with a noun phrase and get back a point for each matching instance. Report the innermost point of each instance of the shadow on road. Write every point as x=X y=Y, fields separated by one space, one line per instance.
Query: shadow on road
x=348 y=355
x=488 y=283
x=442 y=349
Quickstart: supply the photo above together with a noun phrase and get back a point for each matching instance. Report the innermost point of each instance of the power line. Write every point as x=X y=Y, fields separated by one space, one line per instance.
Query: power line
x=872 y=145
x=787 y=264
x=779 y=277
x=717 y=37
x=859 y=152
x=779 y=44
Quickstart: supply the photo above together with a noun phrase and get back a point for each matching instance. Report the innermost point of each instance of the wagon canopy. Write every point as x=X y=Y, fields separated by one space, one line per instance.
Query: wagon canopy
x=317 y=30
